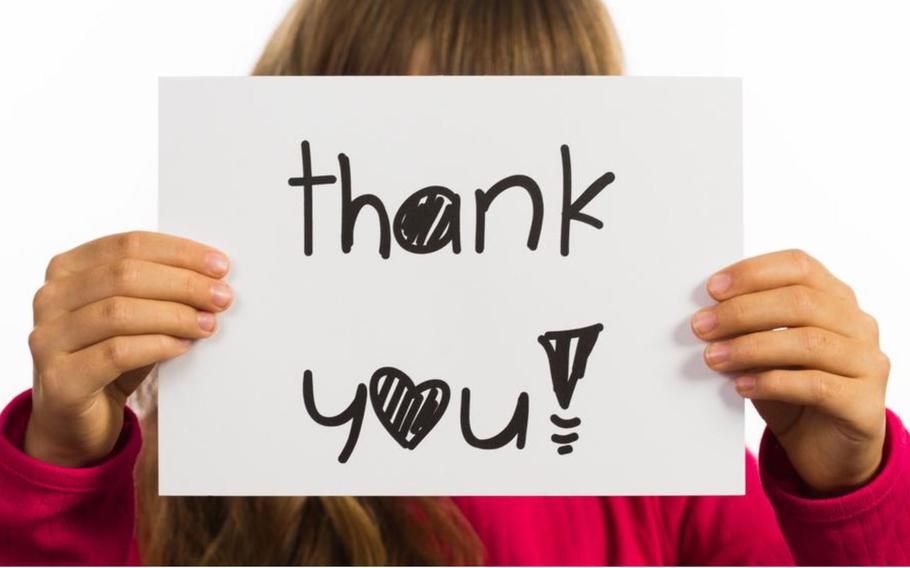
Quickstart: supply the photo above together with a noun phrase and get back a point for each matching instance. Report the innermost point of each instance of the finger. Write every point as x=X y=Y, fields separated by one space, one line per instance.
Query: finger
x=808 y=347
x=791 y=306
x=102 y=363
x=810 y=387
x=140 y=245
x=126 y=316
x=775 y=270
x=131 y=278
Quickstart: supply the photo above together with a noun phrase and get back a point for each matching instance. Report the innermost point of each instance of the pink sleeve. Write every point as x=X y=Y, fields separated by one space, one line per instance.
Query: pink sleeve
x=730 y=530
x=869 y=526
x=57 y=515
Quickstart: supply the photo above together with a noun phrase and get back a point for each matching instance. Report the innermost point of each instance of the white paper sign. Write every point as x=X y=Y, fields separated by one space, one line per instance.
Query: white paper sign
x=456 y=286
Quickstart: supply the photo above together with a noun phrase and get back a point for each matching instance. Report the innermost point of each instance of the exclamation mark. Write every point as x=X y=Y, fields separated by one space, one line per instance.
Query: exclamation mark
x=566 y=370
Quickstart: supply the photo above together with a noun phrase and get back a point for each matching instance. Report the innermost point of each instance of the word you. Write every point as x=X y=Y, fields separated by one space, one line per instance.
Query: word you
x=410 y=411
x=430 y=218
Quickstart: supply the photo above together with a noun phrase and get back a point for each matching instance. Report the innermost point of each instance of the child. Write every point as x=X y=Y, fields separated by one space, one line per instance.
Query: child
x=832 y=486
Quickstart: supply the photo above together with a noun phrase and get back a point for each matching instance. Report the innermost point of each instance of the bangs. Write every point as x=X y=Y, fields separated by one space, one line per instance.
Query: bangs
x=448 y=37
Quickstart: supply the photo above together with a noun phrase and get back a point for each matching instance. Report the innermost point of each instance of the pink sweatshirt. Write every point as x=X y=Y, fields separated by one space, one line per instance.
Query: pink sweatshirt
x=55 y=515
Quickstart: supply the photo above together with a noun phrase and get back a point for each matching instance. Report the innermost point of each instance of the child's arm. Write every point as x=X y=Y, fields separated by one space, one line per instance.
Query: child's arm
x=867 y=526
x=738 y=530
x=57 y=515
x=108 y=311
x=808 y=358
x=780 y=519
x=832 y=461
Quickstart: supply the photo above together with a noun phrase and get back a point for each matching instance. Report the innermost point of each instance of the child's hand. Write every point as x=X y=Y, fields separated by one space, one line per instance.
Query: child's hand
x=819 y=383
x=108 y=311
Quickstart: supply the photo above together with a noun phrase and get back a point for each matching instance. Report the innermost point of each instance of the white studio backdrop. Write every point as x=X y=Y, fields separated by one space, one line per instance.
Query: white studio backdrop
x=826 y=130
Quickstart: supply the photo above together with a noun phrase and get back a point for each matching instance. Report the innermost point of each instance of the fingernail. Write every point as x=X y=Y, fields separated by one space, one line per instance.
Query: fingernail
x=206 y=321
x=185 y=343
x=717 y=353
x=221 y=294
x=744 y=385
x=216 y=263
x=704 y=321
x=719 y=283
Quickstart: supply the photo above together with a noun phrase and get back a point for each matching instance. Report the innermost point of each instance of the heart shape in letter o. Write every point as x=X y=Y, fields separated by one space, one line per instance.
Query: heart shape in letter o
x=407 y=411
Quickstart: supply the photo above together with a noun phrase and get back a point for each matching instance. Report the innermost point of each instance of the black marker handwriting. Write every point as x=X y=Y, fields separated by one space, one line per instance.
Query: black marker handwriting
x=566 y=371
x=516 y=429
x=308 y=181
x=485 y=199
x=407 y=411
x=571 y=210
x=353 y=414
x=430 y=218
x=410 y=411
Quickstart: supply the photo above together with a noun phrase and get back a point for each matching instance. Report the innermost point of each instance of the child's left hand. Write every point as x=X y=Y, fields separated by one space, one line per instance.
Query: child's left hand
x=820 y=382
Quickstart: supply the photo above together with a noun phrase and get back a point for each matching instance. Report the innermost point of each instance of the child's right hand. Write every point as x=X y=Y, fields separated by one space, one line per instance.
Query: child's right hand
x=109 y=310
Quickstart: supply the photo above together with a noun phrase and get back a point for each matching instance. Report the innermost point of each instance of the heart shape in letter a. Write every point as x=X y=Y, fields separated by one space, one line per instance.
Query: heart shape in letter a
x=407 y=411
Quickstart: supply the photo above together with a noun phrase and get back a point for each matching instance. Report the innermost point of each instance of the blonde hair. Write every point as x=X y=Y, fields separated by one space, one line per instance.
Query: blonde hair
x=371 y=37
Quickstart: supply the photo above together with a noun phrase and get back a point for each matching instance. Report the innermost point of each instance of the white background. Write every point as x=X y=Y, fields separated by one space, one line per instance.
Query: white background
x=827 y=129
